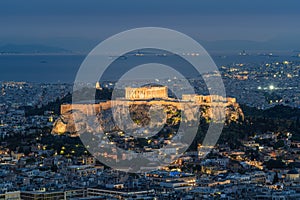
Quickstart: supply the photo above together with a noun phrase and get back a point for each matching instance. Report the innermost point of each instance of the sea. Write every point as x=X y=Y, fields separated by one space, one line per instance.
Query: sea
x=63 y=68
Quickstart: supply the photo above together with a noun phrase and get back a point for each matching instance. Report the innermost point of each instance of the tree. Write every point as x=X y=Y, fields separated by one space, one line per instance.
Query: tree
x=276 y=179
x=279 y=144
x=275 y=164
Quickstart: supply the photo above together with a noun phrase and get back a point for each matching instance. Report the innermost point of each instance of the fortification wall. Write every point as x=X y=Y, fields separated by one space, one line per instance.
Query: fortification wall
x=142 y=95
x=88 y=109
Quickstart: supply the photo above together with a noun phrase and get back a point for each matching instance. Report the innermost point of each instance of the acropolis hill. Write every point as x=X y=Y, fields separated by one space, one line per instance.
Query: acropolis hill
x=139 y=100
x=153 y=96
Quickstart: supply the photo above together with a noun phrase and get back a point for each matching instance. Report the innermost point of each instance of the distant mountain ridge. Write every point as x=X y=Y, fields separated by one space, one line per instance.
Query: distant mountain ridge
x=84 y=46
x=31 y=49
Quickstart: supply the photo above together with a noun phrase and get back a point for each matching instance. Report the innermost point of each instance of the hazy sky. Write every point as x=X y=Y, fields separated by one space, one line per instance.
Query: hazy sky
x=81 y=24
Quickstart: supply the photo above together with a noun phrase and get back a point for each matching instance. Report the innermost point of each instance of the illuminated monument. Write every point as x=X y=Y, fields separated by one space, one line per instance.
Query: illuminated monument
x=151 y=95
x=146 y=93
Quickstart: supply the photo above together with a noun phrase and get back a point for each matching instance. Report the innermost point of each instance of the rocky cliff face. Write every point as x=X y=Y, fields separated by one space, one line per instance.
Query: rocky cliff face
x=139 y=116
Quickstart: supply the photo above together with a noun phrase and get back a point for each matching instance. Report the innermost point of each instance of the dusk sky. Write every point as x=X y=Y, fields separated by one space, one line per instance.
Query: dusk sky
x=80 y=25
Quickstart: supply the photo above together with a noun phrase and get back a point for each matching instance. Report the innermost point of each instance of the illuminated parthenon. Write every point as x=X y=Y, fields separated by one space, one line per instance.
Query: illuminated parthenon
x=146 y=93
